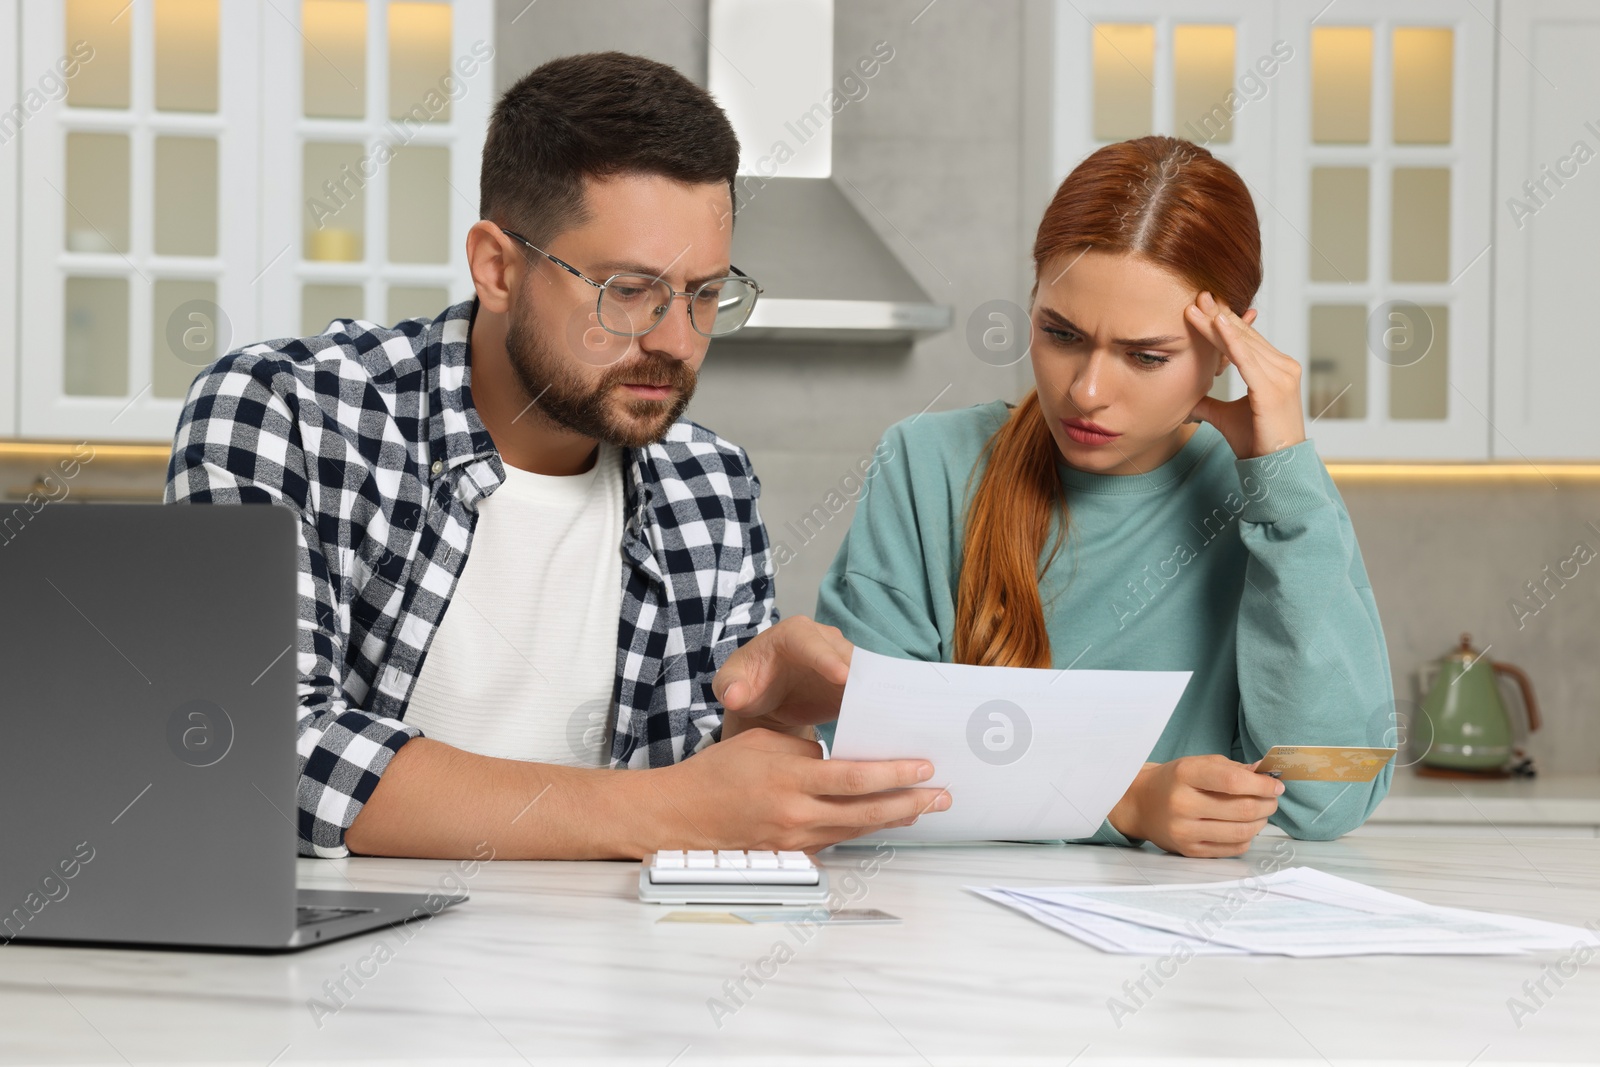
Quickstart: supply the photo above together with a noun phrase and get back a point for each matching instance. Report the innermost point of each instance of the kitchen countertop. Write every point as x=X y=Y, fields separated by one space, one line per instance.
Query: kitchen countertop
x=558 y=962
x=1548 y=800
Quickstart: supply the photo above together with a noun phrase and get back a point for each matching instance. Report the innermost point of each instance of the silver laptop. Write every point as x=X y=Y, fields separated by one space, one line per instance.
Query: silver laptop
x=147 y=732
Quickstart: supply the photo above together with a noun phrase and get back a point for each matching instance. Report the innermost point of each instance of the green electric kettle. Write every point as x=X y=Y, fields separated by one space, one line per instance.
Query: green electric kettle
x=1472 y=734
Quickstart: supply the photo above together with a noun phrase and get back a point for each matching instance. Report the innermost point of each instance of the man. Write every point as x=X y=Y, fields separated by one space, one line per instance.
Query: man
x=506 y=523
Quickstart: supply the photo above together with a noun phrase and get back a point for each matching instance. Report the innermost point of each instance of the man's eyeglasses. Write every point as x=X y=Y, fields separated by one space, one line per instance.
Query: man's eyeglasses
x=634 y=304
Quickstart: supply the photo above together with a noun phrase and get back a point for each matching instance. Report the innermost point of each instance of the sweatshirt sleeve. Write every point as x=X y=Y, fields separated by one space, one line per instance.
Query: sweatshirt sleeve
x=1313 y=667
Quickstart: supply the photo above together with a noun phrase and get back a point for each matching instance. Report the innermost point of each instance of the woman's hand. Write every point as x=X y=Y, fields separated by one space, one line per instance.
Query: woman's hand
x=1268 y=417
x=1198 y=805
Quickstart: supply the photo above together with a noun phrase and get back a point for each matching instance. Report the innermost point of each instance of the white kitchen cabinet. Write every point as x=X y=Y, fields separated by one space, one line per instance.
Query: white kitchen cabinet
x=382 y=147
x=1547 y=227
x=1363 y=130
x=175 y=200
x=139 y=230
x=1384 y=152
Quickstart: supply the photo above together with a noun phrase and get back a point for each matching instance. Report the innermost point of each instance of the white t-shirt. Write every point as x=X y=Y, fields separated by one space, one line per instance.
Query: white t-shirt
x=523 y=664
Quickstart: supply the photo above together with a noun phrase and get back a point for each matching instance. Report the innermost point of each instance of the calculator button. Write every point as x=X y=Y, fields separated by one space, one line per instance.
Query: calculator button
x=669 y=859
x=764 y=861
x=732 y=860
x=701 y=859
x=794 y=861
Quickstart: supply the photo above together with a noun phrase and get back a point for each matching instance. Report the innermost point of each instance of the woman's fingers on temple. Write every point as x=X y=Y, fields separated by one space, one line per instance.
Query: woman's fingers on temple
x=1206 y=323
x=1228 y=336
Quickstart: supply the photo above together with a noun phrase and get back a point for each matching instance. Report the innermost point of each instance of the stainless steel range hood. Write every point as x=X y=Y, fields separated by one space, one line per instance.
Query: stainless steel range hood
x=827 y=275
x=825 y=272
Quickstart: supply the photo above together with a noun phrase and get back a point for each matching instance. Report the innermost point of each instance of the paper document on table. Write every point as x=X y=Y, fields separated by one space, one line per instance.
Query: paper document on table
x=1027 y=754
x=1108 y=935
x=1298 y=911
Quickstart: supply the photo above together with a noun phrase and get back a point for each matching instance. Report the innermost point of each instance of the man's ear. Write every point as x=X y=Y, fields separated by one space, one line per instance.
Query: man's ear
x=494 y=264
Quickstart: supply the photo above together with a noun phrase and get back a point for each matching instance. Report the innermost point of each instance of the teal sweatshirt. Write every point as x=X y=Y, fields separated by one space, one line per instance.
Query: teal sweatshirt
x=1245 y=572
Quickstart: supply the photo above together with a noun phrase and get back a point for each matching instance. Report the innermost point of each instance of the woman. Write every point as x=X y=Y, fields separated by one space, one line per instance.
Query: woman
x=1119 y=518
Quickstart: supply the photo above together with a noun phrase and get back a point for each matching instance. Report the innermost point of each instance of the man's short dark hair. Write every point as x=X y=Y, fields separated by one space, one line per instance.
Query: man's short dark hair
x=595 y=116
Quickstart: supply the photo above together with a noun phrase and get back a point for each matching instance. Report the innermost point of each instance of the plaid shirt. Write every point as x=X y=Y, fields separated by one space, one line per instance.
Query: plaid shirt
x=370 y=434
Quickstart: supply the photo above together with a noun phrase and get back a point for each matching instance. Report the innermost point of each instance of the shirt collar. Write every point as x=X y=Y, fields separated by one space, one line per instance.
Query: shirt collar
x=457 y=435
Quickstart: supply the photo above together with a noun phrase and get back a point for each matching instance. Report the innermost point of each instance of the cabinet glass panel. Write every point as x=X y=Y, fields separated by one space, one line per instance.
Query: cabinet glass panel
x=1338 y=224
x=419 y=62
x=1341 y=84
x=186 y=196
x=1424 y=58
x=321 y=304
x=1419 y=246
x=334 y=58
x=186 y=55
x=1338 y=362
x=97 y=192
x=1416 y=346
x=1202 y=81
x=419 y=205
x=186 y=332
x=416 y=301
x=102 y=79
x=1124 y=80
x=95 y=337
x=336 y=201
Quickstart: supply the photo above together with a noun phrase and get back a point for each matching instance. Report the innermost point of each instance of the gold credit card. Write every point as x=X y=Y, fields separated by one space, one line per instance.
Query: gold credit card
x=1324 y=763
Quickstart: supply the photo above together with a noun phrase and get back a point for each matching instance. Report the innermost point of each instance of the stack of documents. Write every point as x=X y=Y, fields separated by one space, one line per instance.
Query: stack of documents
x=1297 y=911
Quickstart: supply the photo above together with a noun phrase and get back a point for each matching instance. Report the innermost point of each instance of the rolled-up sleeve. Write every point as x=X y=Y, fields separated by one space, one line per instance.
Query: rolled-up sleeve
x=751 y=607
x=238 y=442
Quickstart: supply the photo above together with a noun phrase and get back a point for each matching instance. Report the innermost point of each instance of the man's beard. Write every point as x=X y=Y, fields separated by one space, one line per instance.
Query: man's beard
x=555 y=383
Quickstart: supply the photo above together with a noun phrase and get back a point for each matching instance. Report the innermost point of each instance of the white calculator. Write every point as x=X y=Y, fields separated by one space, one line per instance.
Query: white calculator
x=731 y=876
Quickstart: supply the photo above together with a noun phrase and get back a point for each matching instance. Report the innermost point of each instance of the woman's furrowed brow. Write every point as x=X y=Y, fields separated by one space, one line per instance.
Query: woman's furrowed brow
x=1123 y=342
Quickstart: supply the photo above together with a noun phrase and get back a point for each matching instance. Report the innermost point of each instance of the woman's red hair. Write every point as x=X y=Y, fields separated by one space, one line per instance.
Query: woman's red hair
x=1172 y=203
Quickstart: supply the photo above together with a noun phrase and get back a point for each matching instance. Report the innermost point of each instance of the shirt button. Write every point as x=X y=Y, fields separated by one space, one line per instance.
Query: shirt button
x=438 y=465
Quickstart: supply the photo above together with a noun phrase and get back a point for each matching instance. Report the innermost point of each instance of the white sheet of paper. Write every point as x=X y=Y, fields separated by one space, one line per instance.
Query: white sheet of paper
x=1298 y=911
x=1105 y=934
x=1027 y=754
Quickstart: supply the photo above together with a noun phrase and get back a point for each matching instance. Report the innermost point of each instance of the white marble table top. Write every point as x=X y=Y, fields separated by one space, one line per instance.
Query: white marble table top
x=558 y=963
x=1550 y=800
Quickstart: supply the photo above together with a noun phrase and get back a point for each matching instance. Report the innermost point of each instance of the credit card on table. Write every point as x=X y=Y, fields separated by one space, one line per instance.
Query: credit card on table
x=1324 y=763
x=843 y=917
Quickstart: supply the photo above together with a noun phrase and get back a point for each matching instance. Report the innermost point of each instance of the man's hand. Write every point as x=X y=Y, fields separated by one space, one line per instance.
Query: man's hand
x=1198 y=805
x=788 y=678
x=766 y=790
